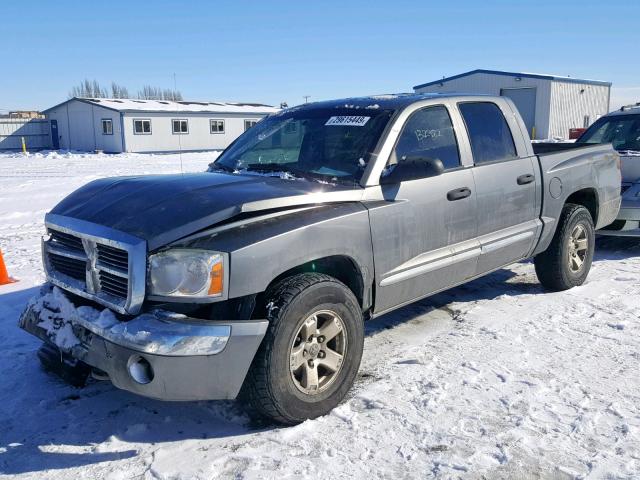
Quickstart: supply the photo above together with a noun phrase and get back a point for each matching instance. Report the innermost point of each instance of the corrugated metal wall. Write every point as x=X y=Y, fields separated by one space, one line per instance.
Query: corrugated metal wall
x=576 y=105
x=493 y=84
x=35 y=132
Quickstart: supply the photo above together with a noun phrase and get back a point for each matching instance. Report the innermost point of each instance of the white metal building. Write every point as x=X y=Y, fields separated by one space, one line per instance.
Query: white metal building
x=550 y=105
x=126 y=125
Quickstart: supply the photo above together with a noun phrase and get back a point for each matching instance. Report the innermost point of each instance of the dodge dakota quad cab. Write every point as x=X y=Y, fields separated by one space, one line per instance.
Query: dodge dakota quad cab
x=253 y=279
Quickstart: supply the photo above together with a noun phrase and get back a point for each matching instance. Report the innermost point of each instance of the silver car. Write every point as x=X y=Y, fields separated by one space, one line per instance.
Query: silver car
x=622 y=129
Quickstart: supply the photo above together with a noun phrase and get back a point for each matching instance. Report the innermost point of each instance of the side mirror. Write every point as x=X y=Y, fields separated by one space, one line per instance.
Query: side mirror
x=412 y=168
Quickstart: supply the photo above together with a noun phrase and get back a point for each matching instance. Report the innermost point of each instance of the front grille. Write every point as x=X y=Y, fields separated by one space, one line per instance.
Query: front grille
x=97 y=268
x=65 y=240
x=113 y=257
x=113 y=284
x=69 y=266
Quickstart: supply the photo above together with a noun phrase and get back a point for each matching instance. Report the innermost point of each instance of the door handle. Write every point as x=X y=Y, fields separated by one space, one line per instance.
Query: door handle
x=524 y=179
x=458 y=194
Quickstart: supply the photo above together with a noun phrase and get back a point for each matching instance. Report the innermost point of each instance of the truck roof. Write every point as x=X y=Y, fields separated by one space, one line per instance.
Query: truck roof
x=387 y=101
x=626 y=110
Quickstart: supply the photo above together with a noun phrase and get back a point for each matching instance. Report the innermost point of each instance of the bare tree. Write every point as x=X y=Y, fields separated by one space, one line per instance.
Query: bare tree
x=92 y=89
x=150 y=93
x=118 y=91
x=172 y=95
x=154 y=93
x=88 y=89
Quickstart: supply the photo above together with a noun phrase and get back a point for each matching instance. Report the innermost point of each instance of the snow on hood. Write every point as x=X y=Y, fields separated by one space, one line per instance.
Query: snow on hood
x=164 y=208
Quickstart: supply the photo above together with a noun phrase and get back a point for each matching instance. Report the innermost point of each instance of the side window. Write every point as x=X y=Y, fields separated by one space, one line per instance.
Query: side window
x=107 y=126
x=489 y=132
x=216 y=126
x=141 y=126
x=179 y=126
x=249 y=123
x=428 y=133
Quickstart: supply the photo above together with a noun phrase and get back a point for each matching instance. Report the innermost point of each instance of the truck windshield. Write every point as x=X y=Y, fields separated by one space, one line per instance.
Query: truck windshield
x=623 y=131
x=326 y=144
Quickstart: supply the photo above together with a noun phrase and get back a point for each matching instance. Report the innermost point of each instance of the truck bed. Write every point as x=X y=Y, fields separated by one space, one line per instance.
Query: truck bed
x=546 y=148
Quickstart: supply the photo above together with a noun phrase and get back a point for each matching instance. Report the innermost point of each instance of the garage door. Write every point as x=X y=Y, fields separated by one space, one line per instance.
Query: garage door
x=525 y=100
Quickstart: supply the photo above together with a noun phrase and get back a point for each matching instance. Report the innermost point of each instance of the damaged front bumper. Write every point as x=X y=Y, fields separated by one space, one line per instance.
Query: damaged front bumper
x=158 y=354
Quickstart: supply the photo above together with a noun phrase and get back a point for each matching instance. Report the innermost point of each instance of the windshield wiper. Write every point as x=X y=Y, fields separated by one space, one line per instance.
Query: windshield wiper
x=287 y=168
x=221 y=166
x=277 y=167
x=269 y=167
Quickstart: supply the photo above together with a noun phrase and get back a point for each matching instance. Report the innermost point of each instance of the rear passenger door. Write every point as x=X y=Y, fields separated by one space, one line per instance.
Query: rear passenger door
x=505 y=184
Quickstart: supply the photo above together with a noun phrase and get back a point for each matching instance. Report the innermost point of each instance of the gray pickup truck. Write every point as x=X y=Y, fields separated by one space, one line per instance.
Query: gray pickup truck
x=254 y=278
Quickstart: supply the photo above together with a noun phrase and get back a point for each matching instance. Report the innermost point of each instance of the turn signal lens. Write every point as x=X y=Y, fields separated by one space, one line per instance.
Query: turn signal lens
x=217 y=279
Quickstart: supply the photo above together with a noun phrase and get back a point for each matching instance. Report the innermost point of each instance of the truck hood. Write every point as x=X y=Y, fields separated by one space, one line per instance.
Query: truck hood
x=165 y=208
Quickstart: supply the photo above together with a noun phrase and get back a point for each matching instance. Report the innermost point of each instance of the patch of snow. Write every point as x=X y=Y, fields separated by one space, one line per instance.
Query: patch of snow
x=134 y=105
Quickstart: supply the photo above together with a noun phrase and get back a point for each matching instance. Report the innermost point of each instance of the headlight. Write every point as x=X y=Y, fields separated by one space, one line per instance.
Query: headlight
x=186 y=273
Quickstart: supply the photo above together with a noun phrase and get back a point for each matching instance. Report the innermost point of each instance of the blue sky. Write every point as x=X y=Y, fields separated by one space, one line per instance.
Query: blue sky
x=279 y=51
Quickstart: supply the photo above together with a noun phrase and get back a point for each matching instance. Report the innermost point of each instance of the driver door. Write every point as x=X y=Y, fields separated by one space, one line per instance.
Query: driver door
x=424 y=232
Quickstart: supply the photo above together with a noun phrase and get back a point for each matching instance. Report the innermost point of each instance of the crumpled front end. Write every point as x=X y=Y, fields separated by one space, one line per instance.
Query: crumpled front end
x=157 y=354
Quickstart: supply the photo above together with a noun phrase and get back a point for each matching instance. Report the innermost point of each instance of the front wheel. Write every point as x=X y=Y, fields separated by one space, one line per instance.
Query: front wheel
x=311 y=353
x=567 y=260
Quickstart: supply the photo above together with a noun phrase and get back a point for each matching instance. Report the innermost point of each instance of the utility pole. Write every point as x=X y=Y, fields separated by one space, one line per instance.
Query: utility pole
x=306 y=98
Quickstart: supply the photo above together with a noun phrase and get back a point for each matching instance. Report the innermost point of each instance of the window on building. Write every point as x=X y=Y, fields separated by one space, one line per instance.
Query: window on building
x=489 y=132
x=429 y=134
x=180 y=126
x=107 y=126
x=249 y=123
x=216 y=126
x=142 y=126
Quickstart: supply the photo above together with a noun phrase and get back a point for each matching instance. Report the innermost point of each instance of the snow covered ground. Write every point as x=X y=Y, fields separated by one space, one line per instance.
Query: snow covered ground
x=494 y=379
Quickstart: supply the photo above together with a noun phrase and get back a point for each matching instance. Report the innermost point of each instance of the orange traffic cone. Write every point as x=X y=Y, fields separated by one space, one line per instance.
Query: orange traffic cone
x=4 y=276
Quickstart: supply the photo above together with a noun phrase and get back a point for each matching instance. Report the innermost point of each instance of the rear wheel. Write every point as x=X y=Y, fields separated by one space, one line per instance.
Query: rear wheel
x=567 y=260
x=310 y=355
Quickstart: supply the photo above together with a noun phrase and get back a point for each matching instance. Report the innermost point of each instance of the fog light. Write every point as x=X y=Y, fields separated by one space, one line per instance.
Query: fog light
x=140 y=369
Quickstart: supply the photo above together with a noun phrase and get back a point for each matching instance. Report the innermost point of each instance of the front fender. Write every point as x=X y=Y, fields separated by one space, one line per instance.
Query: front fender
x=261 y=250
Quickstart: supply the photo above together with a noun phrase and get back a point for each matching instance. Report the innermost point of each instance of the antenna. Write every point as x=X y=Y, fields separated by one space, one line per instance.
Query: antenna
x=175 y=89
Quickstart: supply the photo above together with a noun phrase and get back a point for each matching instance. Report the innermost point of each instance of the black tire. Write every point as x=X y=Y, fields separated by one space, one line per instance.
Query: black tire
x=553 y=266
x=270 y=387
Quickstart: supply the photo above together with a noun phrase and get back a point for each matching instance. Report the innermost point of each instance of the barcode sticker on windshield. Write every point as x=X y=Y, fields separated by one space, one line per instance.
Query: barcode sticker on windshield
x=348 y=120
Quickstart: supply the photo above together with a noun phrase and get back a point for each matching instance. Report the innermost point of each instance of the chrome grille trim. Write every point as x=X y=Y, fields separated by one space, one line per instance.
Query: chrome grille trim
x=114 y=262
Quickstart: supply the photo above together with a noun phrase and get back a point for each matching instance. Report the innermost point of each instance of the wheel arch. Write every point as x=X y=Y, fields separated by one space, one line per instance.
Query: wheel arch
x=588 y=198
x=341 y=267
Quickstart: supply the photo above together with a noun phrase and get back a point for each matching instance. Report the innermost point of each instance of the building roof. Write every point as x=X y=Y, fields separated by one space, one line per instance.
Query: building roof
x=132 y=105
x=516 y=74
